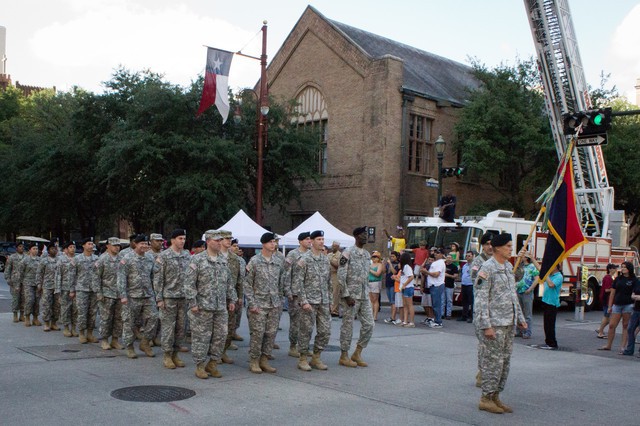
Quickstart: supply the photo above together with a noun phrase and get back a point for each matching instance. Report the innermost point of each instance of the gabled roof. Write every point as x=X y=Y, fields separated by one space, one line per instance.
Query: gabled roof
x=425 y=74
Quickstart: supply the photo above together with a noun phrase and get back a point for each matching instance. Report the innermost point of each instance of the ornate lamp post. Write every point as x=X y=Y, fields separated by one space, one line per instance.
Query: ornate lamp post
x=440 y=147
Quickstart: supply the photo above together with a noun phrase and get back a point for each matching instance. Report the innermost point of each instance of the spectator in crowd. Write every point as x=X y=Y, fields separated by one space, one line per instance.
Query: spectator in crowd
x=466 y=289
x=525 y=288
x=397 y=243
x=391 y=269
x=407 y=288
x=620 y=304
x=376 y=272
x=435 y=280
x=448 y=206
x=454 y=252
x=450 y=276
x=605 y=291
x=550 y=304
x=420 y=256
x=635 y=320
x=426 y=302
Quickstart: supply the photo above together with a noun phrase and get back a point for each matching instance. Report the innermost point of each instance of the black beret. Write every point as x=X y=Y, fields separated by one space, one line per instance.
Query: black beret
x=29 y=245
x=234 y=241
x=269 y=236
x=486 y=238
x=141 y=238
x=199 y=243
x=51 y=244
x=132 y=237
x=303 y=236
x=359 y=230
x=316 y=234
x=500 y=240
x=86 y=240
x=68 y=243
x=177 y=233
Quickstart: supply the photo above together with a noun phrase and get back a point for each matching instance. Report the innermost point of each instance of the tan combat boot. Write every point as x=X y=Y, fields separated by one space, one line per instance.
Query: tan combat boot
x=157 y=342
x=21 y=317
x=237 y=337
x=176 y=360
x=200 y=372
x=82 y=338
x=226 y=358
x=488 y=404
x=293 y=352
x=15 y=317
x=276 y=346
x=46 y=327
x=232 y=347
x=316 y=362
x=131 y=353
x=54 y=326
x=479 y=379
x=344 y=360
x=90 y=337
x=356 y=357
x=254 y=366
x=27 y=321
x=66 y=332
x=36 y=321
x=167 y=361
x=144 y=347
x=184 y=349
x=115 y=344
x=505 y=408
x=104 y=344
x=74 y=333
x=212 y=369
x=264 y=365
x=303 y=364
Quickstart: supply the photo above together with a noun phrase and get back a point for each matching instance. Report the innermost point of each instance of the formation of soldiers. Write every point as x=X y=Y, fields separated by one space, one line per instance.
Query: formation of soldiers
x=152 y=295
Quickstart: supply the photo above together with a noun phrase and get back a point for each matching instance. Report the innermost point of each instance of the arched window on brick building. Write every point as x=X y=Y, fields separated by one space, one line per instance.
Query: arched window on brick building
x=312 y=112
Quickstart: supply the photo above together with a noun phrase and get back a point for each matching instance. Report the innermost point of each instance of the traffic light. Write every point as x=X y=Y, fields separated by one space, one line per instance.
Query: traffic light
x=594 y=122
x=453 y=171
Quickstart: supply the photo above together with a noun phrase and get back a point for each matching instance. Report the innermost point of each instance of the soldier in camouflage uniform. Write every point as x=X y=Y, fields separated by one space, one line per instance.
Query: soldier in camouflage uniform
x=290 y=272
x=313 y=287
x=209 y=290
x=237 y=278
x=235 y=248
x=496 y=311
x=156 y=242
x=26 y=276
x=85 y=287
x=264 y=289
x=135 y=287
x=10 y=275
x=478 y=261
x=353 y=275
x=132 y=245
x=168 y=282
x=46 y=279
x=64 y=284
x=108 y=298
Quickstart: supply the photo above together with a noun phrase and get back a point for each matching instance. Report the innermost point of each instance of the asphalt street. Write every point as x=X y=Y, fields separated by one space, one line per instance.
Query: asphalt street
x=415 y=376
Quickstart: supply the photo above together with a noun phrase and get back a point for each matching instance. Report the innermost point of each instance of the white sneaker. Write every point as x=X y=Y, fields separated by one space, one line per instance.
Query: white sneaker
x=389 y=321
x=396 y=322
x=435 y=325
x=410 y=325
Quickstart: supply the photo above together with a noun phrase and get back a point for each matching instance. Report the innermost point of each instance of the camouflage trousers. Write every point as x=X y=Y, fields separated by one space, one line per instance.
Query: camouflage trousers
x=479 y=335
x=141 y=309
x=110 y=317
x=17 y=301
x=263 y=327
x=294 y=321
x=172 y=324
x=87 y=304
x=208 y=334
x=231 y=326
x=496 y=359
x=320 y=316
x=362 y=309
x=50 y=305
x=31 y=296
x=68 y=309
x=335 y=290
x=238 y=314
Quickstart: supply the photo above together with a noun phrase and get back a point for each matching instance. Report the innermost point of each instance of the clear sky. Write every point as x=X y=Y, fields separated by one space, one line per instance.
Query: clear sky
x=64 y=43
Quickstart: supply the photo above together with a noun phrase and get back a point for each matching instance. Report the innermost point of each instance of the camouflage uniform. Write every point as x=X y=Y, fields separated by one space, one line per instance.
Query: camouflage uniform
x=334 y=261
x=290 y=273
x=107 y=268
x=243 y=271
x=237 y=278
x=64 y=283
x=85 y=286
x=170 y=269
x=263 y=289
x=477 y=263
x=46 y=279
x=208 y=286
x=353 y=275
x=135 y=284
x=11 y=276
x=496 y=306
x=26 y=276
x=313 y=286
x=154 y=255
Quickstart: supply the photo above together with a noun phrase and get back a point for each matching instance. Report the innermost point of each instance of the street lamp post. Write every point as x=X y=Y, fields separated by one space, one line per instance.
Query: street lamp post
x=440 y=146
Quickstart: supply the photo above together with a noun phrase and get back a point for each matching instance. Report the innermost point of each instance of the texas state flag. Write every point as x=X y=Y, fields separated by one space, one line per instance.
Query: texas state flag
x=216 y=82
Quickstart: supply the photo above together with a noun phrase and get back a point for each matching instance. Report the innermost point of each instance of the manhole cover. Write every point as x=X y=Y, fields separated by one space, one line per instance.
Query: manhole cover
x=329 y=348
x=152 y=393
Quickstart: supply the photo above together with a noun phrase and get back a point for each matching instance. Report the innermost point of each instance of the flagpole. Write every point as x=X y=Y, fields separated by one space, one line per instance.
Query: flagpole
x=526 y=243
x=263 y=102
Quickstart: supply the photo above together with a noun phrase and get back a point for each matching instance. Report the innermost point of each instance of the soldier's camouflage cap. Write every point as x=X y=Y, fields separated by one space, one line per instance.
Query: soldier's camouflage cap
x=156 y=237
x=113 y=241
x=226 y=234
x=213 y=234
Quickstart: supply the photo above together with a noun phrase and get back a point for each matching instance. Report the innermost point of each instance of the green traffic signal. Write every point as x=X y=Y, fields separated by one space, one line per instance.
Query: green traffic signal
x=597 y=120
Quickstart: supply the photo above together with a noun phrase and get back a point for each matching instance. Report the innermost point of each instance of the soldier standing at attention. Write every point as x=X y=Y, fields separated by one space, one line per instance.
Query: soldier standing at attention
x=85 y=286
x=264 y=289
x=132 y=246
x=353 y=275
x=169 y=273
x=237 y=278
x=209 y=292
x=155 y=242
x=290 y=272
x=64 y=284
x=27 y=270
x=478 y=261
x=313 y=286
x=496 y=310
x=46 y=279
x=235 y=248
x=10 y=275
x=334 y=260
x=135 y=289
x=107 y=267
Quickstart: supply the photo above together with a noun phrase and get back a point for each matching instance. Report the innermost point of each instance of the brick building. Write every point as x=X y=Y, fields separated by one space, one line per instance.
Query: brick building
x=381 y=105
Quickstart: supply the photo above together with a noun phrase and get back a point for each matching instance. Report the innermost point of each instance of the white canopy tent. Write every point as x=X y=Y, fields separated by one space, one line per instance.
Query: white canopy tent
x=317 y=223
x=245 y=230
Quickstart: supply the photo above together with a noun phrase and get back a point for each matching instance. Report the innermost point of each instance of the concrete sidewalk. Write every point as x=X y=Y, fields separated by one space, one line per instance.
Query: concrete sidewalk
x=416 y=376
